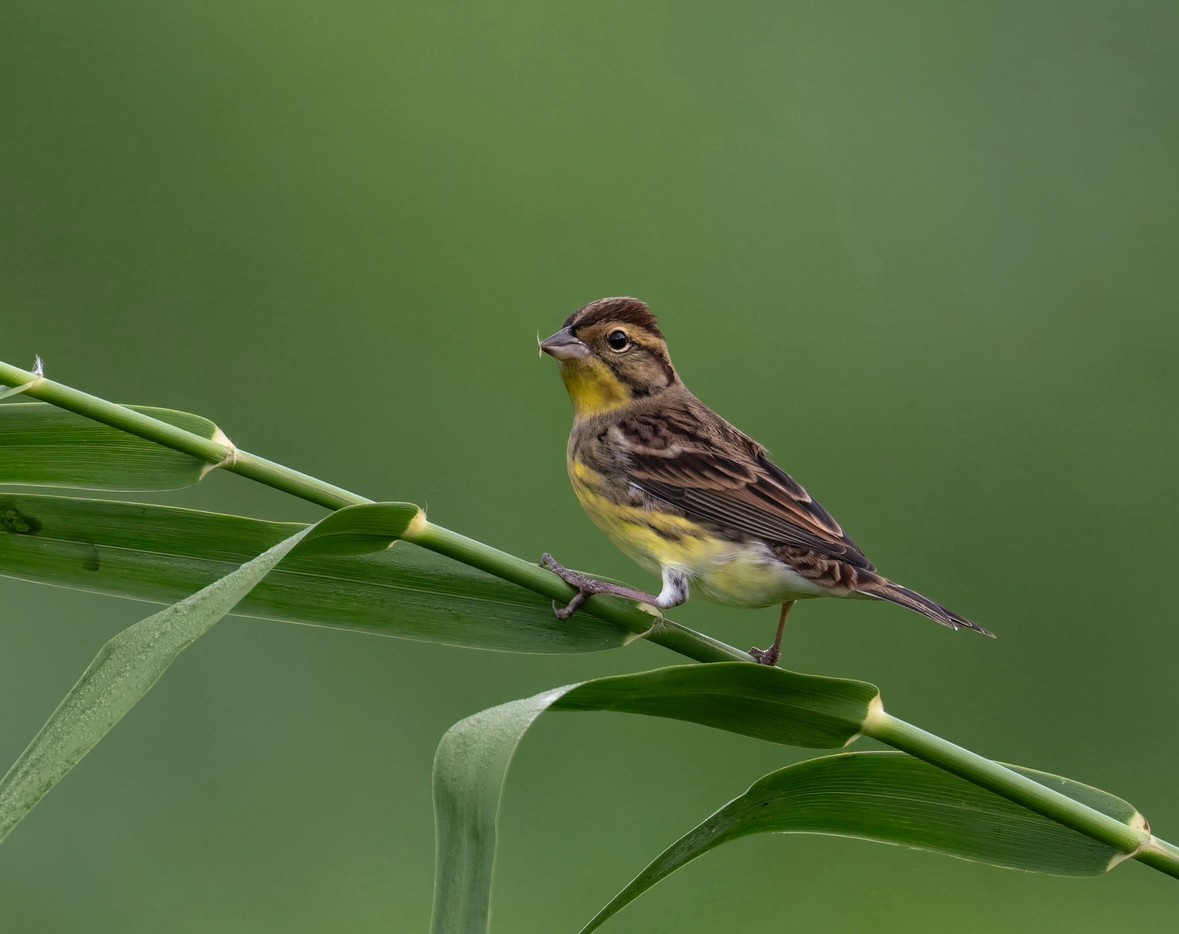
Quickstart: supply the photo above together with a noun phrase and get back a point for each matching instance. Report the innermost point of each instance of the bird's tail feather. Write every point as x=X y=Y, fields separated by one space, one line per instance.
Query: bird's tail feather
x=902 y=596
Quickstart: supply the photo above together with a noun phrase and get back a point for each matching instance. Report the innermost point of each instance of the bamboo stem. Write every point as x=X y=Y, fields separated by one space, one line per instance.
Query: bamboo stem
x=1137 y=843
x=224 y=455
x=670 y=635
x=881 y=726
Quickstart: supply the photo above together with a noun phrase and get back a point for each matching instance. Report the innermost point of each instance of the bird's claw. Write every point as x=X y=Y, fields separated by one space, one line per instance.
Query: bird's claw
x=564 y=612
x=583 y=584
x=768 y=656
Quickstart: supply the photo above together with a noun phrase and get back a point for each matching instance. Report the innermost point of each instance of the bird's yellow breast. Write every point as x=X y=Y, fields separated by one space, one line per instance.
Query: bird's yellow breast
x=729 y=571
x=647 y=536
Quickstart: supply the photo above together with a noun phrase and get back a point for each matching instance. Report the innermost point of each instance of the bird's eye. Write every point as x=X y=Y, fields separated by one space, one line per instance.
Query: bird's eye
x=618 y=341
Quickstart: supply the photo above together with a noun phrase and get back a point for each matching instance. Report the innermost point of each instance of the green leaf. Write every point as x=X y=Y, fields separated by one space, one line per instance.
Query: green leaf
x=129 y=664
x=893 y=798
x=473 y=757
x=356 y=530
x=469 y=771
x=161 y=554
x=755 y=700
x=123 y=671
x=10 y=391
x=42 y=445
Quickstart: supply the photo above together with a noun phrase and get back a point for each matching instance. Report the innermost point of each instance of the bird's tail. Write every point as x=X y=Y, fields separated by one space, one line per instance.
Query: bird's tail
x=911 y=600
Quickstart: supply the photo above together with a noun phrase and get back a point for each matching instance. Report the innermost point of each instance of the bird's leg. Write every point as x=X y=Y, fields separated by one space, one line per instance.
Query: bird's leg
x=675 y=589
x=771 y=655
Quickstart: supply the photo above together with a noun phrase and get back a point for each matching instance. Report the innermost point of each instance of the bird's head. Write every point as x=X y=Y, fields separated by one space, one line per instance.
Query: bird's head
x=611 y=352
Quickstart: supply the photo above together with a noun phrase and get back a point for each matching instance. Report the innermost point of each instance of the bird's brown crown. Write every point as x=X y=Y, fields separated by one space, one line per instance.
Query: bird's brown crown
x=617 y=310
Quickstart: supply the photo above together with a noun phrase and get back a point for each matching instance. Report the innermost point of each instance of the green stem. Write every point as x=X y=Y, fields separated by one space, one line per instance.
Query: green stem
x=211 y=451
x=1024 y=791
x=1160 y=855
x=670 y=635
x=224 y=455
x=939 y=752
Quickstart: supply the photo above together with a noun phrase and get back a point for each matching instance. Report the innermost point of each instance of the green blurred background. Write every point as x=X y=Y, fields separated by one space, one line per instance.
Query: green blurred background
x=925 y=252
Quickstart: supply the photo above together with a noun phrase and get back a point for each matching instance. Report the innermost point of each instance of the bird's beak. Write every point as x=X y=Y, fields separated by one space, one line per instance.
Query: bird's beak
x=564 y=346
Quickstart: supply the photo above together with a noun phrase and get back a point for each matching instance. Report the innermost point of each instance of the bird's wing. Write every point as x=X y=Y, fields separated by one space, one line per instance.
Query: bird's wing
x=700 y=464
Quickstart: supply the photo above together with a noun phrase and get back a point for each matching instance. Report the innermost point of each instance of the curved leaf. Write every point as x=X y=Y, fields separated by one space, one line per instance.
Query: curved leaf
x=473 y=756
x=43 y=445
x=755 y=700
x=130 y=663
x=161 y=554
x=357 y=530
x=469 y=771
x=123 y=671
x=891 y=797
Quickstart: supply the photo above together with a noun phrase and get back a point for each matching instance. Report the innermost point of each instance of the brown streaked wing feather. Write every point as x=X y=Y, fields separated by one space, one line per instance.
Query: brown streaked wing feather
x=716 y=474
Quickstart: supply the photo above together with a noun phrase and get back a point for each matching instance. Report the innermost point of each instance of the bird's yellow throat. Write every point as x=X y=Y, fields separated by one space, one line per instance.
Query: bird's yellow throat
x=593 y=387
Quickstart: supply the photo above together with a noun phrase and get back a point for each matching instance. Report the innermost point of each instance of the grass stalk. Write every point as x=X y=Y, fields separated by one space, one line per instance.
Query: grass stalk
x=1135 y=842
x=686 y=642
x=222 y=453
x=881 y=726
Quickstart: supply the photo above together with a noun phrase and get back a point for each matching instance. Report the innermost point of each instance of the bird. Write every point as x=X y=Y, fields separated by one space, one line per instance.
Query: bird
x=687 y=495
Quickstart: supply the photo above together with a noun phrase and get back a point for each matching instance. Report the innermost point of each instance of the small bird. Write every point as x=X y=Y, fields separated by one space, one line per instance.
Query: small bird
x=685 y=494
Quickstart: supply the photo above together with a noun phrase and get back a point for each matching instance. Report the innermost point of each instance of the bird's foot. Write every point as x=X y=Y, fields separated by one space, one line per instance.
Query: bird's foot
x=771 y=655
x=768 y=656
x=586 y=587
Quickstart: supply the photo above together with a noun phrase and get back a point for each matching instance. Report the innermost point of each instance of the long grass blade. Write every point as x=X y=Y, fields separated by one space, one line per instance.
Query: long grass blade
x=890 y=797
x=123 y=672
x=161 y=554
x=473 y=757
x=42 y=445
x=129 y=664
x=772 y=704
